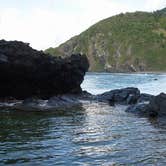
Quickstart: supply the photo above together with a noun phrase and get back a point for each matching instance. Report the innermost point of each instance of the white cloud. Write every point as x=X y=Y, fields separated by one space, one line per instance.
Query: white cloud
x=38 y=27
x=51 y=25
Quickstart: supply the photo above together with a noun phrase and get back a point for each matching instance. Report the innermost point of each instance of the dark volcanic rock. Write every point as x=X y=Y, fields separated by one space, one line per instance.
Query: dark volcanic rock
x=139 y=109
x=122 y=96
x=145 y=98
x=59 y=102
x=157 y=105
x=53 y=104
x=25 y=72
x=149 y=105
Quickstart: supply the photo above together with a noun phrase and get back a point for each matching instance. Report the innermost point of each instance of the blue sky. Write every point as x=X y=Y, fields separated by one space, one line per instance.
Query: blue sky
x=45 y=23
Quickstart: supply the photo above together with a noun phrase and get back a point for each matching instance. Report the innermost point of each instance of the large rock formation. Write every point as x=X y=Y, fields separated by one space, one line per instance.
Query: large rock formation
x=25 y=72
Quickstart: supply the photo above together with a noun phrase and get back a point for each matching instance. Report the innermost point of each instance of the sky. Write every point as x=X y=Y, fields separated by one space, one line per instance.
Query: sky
x=48 y=23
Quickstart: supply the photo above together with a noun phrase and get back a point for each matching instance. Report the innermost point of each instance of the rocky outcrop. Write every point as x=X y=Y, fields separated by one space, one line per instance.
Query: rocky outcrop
x=140 y=107
x=54 y=103
x=137 y=103
x=145 y=98
x=157 y=105
x=59 y=102
x=122 y=96
x=26 y=72
x=153 y=106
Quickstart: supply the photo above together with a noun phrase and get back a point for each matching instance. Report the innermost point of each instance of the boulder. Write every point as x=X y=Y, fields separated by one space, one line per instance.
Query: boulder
x=145 y=98
x=157 y=105
x=149 y=105
x=139 y=109
x=25 y=72
x=122 y=96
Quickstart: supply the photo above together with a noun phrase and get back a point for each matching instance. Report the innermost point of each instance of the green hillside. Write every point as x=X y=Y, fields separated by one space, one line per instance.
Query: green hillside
x=123 y=43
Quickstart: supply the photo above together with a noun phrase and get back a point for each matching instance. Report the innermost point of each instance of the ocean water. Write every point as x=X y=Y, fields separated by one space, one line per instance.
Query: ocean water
x=91 y=134
x=96 y=83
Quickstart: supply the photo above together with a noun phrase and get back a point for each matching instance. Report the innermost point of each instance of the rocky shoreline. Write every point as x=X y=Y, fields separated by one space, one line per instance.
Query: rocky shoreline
x=137 y=103
x=34 y=81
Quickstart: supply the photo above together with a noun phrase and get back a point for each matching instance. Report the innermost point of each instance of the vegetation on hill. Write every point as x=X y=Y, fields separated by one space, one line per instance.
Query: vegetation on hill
x=123 y=43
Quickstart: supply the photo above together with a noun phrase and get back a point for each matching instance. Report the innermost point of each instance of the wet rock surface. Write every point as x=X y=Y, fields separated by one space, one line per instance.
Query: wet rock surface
x=138 y=109
x=59 y=102
x=148 y=105
x=145 y=98
x=26 y=72
x=139 y=104
x=122 y=96
x=157 y=105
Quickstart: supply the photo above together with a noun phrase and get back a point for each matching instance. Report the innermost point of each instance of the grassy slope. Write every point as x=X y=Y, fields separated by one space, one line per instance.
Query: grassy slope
x=126 y=42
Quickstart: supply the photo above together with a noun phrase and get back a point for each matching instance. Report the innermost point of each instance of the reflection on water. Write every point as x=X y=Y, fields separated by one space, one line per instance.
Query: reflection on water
x=96 y=134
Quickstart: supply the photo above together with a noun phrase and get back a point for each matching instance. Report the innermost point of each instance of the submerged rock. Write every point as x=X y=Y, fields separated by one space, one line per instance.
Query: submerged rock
x=26 y=72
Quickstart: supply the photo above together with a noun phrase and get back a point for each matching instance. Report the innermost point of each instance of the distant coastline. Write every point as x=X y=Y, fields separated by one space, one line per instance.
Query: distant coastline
x=129 y=42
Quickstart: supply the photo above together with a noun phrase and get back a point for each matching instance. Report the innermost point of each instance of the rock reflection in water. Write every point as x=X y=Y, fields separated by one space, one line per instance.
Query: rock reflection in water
x=95 y=134
x=34 y=136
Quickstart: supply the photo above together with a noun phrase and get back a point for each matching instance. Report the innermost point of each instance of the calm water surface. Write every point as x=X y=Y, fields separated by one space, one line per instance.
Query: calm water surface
x=94 y=134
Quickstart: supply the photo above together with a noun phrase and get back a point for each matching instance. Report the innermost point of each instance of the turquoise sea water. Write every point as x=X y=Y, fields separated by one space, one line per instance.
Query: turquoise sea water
x=92 y=134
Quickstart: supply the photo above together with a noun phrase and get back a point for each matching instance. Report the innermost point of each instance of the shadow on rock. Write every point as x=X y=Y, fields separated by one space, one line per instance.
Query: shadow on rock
x=26 y=72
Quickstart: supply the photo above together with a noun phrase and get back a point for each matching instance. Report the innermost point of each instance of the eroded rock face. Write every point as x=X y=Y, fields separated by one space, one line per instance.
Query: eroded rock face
x=25 y=72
